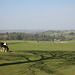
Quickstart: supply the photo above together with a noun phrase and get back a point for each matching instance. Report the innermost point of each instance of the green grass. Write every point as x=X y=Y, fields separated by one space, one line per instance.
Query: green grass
x=44 y=58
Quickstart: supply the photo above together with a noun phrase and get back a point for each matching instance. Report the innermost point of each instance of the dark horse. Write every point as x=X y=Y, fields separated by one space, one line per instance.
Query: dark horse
x=4 y=46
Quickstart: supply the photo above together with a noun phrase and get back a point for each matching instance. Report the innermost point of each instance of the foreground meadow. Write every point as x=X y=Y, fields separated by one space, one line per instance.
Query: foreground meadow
x=43 y=58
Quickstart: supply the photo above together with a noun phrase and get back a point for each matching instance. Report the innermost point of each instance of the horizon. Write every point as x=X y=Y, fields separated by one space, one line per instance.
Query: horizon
x=39 y=29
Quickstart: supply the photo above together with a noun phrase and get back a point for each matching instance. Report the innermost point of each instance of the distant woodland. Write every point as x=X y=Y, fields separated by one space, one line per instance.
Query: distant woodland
x=43 y=36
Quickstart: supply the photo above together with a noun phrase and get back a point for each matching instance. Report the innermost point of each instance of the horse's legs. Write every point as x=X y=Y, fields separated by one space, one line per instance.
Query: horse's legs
x=3 y=49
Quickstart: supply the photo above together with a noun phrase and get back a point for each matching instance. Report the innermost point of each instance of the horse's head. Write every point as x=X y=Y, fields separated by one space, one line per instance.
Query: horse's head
x=1 y=44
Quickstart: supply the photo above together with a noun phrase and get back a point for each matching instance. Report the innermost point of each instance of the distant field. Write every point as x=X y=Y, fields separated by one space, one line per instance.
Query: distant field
x=43 y=58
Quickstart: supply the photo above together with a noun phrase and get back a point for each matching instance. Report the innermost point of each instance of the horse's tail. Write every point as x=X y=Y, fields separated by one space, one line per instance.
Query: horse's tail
x=7 y=49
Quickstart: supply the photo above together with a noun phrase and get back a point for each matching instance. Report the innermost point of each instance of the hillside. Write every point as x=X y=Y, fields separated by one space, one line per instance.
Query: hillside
x=70 y=34
x=40 y=35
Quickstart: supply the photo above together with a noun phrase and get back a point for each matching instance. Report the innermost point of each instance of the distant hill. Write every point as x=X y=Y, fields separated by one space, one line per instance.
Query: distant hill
x=53 y=32
x=70 y=34
x=38 y=34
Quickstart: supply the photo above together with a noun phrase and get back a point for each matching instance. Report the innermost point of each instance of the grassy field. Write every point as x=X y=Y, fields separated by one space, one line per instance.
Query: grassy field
x=43 y=58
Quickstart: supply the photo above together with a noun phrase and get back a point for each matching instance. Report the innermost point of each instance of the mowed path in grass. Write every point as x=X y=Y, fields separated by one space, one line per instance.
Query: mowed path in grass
x=43 y=58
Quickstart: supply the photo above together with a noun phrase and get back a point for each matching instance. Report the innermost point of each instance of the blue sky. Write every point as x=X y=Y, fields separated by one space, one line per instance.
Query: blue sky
x=37 y=14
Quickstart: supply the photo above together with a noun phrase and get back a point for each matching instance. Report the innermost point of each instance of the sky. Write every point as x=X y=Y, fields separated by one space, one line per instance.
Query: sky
x=37 y=14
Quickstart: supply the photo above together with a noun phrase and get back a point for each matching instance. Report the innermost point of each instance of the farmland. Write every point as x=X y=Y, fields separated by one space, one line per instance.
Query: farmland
x=43 y=58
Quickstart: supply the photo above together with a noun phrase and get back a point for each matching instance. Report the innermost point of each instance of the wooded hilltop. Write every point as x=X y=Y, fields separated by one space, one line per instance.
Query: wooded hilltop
x=41 y=36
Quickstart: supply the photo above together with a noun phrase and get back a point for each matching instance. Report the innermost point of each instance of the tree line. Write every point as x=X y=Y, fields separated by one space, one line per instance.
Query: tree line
x=33 y=37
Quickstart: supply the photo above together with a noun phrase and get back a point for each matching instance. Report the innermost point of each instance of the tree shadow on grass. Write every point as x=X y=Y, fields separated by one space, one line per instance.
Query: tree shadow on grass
x=28 y=61
x=52 y=55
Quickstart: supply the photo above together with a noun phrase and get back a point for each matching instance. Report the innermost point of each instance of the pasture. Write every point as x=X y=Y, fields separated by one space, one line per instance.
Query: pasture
x=43 y=58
